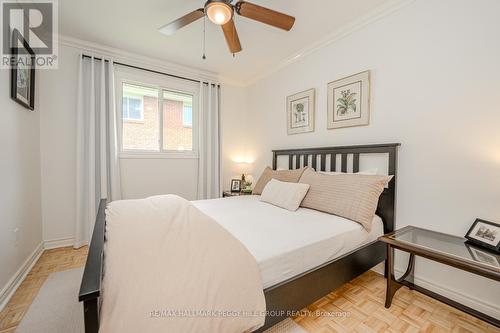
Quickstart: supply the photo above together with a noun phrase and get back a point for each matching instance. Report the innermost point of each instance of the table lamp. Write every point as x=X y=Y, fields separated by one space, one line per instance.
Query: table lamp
x=244 y=168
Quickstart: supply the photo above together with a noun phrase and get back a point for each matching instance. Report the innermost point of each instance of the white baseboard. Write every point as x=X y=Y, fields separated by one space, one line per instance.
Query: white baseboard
x=60 y=242
x=490 y=309
x=459 y=296
x=14 y=283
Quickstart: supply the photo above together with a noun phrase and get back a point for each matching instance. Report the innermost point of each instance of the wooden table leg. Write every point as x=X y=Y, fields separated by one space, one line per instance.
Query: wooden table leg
x=391 y=287
x=394 y=284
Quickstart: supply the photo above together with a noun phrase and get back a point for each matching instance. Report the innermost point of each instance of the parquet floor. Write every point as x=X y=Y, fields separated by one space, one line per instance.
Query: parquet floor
x=51 y=261
x=361 y=299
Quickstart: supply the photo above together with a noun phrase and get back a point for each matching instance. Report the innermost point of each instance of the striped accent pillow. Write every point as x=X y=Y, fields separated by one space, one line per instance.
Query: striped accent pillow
x=352 y=196
x=291 y=176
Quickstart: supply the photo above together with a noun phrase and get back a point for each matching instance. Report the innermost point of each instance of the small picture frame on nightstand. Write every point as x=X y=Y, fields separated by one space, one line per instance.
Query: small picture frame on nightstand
x=485 y=234
x=236 y=185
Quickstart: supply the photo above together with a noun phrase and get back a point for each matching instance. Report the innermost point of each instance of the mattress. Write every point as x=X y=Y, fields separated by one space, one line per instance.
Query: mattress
x=285 y=243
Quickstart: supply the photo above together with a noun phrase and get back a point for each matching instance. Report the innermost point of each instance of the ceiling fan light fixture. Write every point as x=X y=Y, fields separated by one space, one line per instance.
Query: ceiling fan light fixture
x=219 y=12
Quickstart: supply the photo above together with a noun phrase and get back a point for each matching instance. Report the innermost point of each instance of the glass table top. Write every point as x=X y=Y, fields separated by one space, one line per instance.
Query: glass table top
x=448 y=245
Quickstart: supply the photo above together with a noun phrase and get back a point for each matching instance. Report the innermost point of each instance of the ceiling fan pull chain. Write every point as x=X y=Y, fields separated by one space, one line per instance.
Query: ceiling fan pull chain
x=204 y=36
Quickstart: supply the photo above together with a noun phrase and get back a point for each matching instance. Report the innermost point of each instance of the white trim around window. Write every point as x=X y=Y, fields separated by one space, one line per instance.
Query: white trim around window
x=160 y=82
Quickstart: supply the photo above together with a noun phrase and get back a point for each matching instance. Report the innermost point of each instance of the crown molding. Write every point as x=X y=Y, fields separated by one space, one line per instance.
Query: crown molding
x=356 y=25
x=137 y=59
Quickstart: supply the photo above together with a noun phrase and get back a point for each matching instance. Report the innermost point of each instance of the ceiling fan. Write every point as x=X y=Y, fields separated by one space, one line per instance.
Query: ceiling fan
x=221 y=12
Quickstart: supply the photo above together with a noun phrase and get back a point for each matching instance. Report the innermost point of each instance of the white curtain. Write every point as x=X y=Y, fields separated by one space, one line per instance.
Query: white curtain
x=97 y=164
x=209 y=142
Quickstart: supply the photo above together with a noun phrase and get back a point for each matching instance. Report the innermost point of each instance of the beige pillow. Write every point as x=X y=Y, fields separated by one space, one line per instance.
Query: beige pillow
x=284 y=194
x=352 y=196
x=291 y=176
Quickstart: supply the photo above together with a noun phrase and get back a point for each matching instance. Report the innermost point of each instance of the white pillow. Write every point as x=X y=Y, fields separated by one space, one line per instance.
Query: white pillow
x=369 y=172
x=284 y=194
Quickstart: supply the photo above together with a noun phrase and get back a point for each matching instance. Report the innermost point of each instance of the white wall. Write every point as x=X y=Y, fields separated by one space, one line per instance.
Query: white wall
x=20 y=206
x=140 y=177
x=234 y=133
x=435 y=88
x=58 y=93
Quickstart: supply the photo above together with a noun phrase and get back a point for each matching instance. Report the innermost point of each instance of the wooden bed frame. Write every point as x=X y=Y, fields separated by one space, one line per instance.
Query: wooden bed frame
x=295 y=293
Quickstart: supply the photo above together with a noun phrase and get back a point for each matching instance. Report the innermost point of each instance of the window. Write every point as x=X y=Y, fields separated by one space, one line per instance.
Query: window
x=177 y=121
x=146 y=129
x=133 y=108
x=187 y=116
x=140 y=129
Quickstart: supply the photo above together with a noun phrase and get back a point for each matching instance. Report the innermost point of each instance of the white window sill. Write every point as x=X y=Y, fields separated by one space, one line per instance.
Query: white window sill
x=157 y=155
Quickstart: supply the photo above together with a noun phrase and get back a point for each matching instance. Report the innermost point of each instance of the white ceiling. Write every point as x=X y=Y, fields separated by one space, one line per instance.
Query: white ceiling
x=132 y=25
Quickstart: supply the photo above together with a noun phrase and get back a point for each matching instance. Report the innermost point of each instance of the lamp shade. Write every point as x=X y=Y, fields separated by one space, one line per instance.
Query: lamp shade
x=244 y=167
x=219 y=12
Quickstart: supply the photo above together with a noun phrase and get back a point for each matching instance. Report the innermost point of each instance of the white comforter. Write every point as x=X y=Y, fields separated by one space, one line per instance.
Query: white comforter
x=171 y=268
x=284 y=243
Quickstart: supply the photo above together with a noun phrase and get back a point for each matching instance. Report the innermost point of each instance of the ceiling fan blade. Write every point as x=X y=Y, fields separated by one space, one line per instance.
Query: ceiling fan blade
x=265 y=15
x=232 y=39
x=172 y=27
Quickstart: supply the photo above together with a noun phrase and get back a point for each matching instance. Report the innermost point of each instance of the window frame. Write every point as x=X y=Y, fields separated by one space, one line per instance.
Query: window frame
x=160 y=83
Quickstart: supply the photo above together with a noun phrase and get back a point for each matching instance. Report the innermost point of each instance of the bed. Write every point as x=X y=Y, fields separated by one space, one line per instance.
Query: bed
x=285 y=243
x=302 y=255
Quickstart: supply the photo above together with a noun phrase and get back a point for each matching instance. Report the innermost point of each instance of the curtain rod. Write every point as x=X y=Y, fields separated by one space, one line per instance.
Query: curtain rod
x=152 y=71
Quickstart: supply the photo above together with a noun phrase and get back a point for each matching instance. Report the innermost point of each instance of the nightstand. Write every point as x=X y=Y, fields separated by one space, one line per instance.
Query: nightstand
x=234 y=194
x=445 y=249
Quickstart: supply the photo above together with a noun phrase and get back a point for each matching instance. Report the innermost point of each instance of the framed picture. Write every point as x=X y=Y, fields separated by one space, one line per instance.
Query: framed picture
x=349 y=101
x=485 y=233
x=22 y=81
x=236 y=185
x=485 y=257
x=300 y=112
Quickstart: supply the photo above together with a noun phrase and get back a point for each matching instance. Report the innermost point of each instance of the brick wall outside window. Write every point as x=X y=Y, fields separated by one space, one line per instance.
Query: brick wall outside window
x=175 y=134
x=144 y=134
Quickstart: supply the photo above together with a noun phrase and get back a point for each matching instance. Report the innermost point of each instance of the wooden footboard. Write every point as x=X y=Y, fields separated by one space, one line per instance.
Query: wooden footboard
x=90 y=289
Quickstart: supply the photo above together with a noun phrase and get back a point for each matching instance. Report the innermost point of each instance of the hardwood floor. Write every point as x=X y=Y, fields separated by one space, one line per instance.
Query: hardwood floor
x=362 y=300
x=51 y=261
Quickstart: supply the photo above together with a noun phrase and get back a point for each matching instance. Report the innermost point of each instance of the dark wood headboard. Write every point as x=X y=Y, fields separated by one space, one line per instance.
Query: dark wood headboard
x=387 y=203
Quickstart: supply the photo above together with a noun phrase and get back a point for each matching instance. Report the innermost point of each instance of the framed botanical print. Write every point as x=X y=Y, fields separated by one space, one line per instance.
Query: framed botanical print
x=349 y=101
x=300 y=112
x=23 y=73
